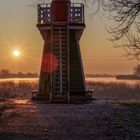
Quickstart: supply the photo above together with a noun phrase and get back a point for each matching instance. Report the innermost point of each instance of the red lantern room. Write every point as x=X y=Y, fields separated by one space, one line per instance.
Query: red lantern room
x=60 y=10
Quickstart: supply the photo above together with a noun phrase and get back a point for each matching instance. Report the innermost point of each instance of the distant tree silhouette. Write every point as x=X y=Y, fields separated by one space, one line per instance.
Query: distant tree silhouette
x=137 y=70
x=5 y=73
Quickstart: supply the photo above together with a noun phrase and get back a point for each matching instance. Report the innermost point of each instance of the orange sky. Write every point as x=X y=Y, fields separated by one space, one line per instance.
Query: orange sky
x=18 y=31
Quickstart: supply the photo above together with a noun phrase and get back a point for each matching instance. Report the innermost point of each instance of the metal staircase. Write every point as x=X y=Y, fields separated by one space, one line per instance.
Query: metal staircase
x=59 y=63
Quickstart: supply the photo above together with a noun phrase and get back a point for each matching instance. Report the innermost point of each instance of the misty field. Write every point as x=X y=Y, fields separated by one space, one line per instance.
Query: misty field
x=117 y=90
x=17 y=89
x=120 y=91
x=20 y=118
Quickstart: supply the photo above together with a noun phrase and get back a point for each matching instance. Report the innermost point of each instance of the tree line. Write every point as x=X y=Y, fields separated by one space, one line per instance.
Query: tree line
x=5 y=73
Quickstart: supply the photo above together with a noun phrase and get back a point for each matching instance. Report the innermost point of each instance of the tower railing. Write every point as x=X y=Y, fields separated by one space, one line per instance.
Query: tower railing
x=44 y=13
x=76 y=13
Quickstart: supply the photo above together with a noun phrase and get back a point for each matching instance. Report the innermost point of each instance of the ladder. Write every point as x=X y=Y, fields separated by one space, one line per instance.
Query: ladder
x=60 y=63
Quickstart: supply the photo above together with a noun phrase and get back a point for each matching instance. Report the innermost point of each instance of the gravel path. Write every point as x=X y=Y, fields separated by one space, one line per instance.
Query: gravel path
x=27 y=120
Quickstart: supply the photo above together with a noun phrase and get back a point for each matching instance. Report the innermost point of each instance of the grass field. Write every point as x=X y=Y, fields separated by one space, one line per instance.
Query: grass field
x=121 y=91
x=22 y=89
x=106 y=120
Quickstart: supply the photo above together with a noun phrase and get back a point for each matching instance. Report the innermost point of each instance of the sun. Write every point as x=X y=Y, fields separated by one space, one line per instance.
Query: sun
x=16 y=53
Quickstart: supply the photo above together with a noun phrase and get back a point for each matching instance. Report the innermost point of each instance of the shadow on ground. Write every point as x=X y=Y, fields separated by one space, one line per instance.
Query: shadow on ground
x=99 y=120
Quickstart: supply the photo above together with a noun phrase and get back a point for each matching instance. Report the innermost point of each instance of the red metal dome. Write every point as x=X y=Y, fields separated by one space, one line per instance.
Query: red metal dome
x=60 y=10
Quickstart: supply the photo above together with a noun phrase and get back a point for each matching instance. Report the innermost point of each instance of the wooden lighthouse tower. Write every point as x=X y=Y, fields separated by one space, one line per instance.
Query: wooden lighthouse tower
x=61 y=24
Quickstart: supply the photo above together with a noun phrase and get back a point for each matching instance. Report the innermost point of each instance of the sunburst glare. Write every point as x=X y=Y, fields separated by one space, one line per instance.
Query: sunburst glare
x=16 y=53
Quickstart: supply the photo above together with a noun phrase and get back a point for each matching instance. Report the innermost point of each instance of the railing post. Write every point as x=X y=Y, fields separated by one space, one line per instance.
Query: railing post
x=38 y=10
x=83 y=12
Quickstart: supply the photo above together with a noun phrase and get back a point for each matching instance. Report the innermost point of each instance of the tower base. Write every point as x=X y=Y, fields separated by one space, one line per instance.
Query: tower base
x=73 y=98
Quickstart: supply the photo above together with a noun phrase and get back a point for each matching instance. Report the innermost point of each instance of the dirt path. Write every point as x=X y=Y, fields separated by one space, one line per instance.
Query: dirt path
x=33 y=121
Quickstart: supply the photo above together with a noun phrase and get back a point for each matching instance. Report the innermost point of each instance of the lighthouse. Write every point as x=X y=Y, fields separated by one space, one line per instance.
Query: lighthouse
x=61 y=24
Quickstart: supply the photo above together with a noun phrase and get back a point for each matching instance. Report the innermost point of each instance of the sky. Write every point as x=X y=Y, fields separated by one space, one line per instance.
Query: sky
x=18 y=31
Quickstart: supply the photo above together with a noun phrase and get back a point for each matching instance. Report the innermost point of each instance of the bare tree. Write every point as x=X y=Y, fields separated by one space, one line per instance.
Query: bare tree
x=137 y=70
x=125 y=25
x=126 y=14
